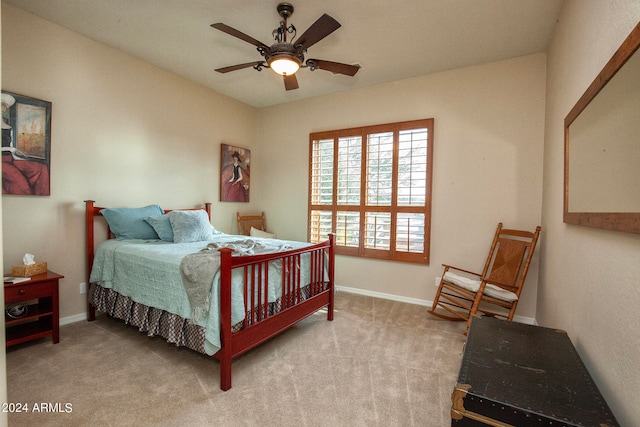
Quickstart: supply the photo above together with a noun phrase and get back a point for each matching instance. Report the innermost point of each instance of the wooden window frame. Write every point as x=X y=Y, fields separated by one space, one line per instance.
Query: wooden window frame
x=392 y=253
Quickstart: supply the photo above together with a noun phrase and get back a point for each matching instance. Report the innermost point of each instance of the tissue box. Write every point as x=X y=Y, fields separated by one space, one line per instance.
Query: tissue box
x=29 y=270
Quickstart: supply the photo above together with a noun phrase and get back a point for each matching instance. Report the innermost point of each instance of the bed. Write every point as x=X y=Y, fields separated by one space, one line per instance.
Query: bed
x=255 y=287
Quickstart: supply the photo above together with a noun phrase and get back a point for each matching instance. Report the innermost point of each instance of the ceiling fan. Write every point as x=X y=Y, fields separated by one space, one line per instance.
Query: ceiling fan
x=286 y=57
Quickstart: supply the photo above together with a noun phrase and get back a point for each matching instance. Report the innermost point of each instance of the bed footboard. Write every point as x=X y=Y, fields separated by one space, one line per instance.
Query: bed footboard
x=298 y=300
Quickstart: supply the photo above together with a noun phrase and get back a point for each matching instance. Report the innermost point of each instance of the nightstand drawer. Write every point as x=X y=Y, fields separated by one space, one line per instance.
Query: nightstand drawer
x=26 y=292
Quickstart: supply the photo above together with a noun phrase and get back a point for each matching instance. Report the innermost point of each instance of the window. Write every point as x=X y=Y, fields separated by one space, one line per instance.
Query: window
x=371 y=186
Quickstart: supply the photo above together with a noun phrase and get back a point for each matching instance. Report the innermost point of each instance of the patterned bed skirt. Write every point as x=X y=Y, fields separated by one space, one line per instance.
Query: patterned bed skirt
x=173 y=328
x=152 y=321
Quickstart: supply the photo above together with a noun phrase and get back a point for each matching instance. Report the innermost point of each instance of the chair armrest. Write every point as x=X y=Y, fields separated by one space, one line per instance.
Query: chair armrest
x=450 y=267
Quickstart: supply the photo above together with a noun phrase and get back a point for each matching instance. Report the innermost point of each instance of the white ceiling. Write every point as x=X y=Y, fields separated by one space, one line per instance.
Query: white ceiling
x=391 y=40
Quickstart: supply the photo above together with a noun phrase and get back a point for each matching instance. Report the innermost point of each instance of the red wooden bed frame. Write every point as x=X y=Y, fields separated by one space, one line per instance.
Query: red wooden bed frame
x=259 y=325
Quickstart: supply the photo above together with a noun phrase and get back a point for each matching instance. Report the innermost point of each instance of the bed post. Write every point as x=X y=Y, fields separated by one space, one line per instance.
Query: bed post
x=332 y=259
x=225 y=354
x=207 y=208
x=89 y=223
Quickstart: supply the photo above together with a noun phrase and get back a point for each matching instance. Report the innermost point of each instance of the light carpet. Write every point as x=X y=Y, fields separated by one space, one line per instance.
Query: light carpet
x=378 y=363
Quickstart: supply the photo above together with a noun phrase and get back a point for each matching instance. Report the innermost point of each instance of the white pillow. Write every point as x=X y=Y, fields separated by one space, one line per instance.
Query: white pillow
x=473 y=285
x=259 y=233
x=463 y=280
x=497 y=292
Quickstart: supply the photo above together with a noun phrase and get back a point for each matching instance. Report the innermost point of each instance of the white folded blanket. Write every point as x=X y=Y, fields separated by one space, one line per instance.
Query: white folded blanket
x=199 y=269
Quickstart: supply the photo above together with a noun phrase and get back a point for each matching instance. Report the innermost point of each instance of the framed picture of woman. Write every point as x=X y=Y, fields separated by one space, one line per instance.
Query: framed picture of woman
x=235 y=174
x=26 y=145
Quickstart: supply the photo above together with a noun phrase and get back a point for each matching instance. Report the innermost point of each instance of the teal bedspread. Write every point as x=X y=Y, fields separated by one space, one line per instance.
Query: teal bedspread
x=148 y=272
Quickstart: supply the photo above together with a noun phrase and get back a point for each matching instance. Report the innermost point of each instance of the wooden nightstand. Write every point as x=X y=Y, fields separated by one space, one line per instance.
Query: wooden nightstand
x=42 y=316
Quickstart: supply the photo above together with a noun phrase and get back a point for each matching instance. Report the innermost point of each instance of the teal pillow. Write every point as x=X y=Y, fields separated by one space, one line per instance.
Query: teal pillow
x=162 y=226
x=129 y=223
x=190 y=226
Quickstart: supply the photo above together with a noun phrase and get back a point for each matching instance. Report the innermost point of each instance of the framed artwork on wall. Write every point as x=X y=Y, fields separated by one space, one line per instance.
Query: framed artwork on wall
x=235 y=174
x=26 y=145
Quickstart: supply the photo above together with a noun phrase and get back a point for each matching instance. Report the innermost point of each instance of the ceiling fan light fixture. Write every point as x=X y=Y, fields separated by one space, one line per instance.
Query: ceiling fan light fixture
x=285 y=65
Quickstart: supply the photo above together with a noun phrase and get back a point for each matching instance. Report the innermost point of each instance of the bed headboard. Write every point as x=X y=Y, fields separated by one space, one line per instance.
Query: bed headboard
x=92 y=212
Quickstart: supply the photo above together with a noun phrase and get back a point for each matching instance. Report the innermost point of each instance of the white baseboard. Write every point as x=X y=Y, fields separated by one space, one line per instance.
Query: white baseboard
x=382 y=295
x=72 y=319
x=416 y=301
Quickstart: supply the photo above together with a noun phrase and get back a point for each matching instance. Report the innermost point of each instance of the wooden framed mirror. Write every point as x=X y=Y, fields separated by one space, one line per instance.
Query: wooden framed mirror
x=602 y=146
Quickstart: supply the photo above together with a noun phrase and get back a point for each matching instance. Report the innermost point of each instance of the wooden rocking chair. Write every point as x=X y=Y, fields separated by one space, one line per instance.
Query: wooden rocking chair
x=496 y=291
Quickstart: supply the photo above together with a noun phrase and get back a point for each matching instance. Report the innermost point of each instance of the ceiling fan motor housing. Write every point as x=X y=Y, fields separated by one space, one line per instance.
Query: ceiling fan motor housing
x=284 y=50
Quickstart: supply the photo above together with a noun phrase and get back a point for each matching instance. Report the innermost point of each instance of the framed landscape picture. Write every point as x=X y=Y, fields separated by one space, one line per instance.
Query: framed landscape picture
x=235 y=174
x=26 y=145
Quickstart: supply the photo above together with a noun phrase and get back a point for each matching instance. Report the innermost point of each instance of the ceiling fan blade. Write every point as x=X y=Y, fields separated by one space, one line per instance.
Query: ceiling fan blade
x=239 y=34
x=290 y=82
x=320 y=29
x=238 y=67
x=336 y=67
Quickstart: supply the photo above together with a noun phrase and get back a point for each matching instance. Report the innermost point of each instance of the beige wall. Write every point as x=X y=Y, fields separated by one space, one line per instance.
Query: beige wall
x=488 y=150
x=124 y=133
x=589 y=278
